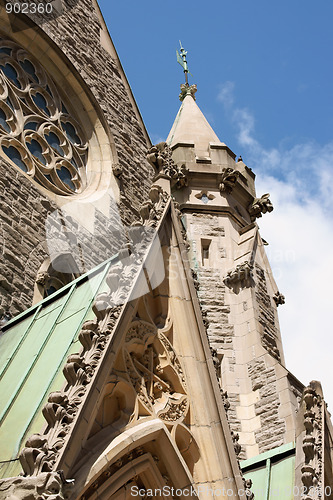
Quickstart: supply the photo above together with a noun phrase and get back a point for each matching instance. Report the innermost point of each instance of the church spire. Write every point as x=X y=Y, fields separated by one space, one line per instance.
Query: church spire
x=191 y=126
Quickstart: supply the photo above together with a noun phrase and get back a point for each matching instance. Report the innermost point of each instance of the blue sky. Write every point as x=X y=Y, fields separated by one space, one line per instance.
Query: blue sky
x=264 y=76
x=278 y=54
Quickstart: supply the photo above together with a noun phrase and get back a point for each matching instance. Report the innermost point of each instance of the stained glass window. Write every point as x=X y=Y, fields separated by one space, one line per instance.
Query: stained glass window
x=38 y=130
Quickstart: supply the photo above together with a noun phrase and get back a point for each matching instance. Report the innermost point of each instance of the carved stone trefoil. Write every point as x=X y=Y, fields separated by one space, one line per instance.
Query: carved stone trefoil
x=260 y=206
x=160 y=158
x=228 y=180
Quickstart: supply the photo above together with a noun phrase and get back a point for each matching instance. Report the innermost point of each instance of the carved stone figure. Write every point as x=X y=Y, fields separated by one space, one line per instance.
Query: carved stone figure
x=260 y=206
x=229 y=179
x=117 y=170
x=44 y=486
x=237 y=446
x=152 y=209
x=42 y=277
x=279 y=299
x=160 y=157
x=240 y=277
x=247 y=487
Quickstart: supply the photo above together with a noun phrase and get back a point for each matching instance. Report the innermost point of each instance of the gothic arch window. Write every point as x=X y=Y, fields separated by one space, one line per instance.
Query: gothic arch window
x=39 y=132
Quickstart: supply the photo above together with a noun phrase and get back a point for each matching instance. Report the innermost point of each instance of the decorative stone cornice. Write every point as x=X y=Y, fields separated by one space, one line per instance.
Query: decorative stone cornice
x=160 y=157
x=260 y=206
x=186 y=89
x=228 y=180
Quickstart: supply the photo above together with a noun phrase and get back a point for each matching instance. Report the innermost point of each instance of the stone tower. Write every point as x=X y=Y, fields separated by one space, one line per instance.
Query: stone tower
x=140 y=352
x=235 y=283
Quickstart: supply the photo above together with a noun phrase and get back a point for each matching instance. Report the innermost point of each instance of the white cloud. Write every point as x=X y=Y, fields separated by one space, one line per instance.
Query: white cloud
x=226 y=93
x=300 y=233
x=300 y=252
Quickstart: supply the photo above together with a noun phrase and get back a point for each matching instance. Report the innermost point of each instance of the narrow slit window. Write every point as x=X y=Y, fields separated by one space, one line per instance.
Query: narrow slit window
x=205 y=244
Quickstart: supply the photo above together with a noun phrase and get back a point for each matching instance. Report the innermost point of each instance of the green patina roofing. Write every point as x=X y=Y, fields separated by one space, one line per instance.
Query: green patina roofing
x=33 y=350
x=272 y=473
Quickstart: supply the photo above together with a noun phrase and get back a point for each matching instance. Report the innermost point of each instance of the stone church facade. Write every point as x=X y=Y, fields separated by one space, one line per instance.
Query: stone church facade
x=140 y=346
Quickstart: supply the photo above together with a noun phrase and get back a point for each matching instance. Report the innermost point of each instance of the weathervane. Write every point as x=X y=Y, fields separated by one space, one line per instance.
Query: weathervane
x=185 y=88
x=181 y=59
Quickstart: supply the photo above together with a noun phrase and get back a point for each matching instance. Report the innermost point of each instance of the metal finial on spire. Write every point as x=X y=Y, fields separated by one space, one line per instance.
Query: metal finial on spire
x=181 y=59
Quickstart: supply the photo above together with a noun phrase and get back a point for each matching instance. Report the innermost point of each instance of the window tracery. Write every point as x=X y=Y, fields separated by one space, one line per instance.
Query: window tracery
x=38 y=133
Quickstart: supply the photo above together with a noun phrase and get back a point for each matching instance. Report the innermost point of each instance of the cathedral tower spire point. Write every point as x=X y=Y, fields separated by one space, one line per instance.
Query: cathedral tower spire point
x=190 y=125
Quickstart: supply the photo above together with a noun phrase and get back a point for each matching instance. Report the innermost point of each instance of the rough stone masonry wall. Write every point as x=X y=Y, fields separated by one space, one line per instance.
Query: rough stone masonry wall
x=211 y=294
x=23 y=209
x=23 y=249
x=272 y=428
x=266 y=314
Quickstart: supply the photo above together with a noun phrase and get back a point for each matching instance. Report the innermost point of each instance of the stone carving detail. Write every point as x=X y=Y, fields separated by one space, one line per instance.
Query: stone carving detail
x=152 y=209
x=226 y=402
x=235 y=439
x=205 y=196
x=279 y=299
x=160 y=157
x=229 y=179
x=181 y=225
x=117 y=170
x=260 y=206
x=112 y=469
x=240 y=277
x=42 y=451
x=155 y=373
x=42 y=277
x=186 y=89
x=312 y=470
x=195 y=279
x=247 y=487
x=44 y=486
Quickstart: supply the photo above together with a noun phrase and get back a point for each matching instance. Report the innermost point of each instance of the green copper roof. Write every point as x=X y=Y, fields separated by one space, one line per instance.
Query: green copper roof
x=33 y=350
x=272 y=473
